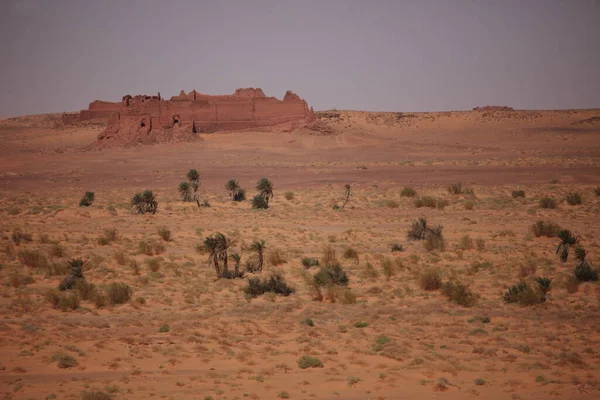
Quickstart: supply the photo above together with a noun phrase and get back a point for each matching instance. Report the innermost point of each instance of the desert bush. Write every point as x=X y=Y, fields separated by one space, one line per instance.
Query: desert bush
x=154 y=263
x=396 y=248
x=259 y=202
x=19 y=236
x=430 y=279
x=459 y=293
x=466 y=243
x=63 y=300
x=567 y=239
x=275 y=257
x=76 y=274
x=469 y=205
x=305 y=362
x=85 y=290
x=420 y=230
x=119 y=292
x=583 y=270
x=33 y=259
x=574 y=199
x=151 y=247
x=545 y=228
x=239 y=195
x=64 y=360
x=17 y=279
x=273 y=284
x=308 y=262
x=185 y=191
x=120 y=258
x=408 y=192
x=523 y=294
x=387 y=203
x=329 y=256
x=164 y=233
x=431 y=202
x=308 y=322
x=57 y=268
x=388 y=268
x=289 y=195
x=265 y=189
x=95 y=395
x=351 y=254
x=434 y=242
x=547 y=202
x=331 y=274
x=480 y=244
x=56 y=250
x=87 y=199
x=144 y=202
x=110 y=235
x=370 y=272
x=518 y=193
x=455 y=188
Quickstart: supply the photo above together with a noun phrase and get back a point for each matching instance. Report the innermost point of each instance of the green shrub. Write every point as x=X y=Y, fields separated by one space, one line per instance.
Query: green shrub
x=408 y=192
x=259 y=202
x=164 y=233
x=434 y=242
x=547 y=202
x=289 y=195
x=430 y=279
x=466 y=243
x=151 y=247
x=459 y=293
x=305 y=362
x=144 y=202
x=431 y=202
x=420 y=230
x=361 y=324
x=480 y=244
x=274 y=284
x=545 y=228
x=308 y=322
x=331 y=275
x=523 y=294
x=518 y=193
x=119 y=292
x=574 y=199
x=567 y=240
x=64 y=360
x=87 y=199
x=308 y=262
x=351 y=254
x=164 y=328
x=455 y=188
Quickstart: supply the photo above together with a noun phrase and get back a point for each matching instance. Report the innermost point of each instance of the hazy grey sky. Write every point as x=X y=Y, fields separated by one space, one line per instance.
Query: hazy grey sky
x=377 y=55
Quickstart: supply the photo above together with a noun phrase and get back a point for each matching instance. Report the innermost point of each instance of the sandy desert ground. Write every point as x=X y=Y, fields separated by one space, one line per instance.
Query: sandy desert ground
x=186 y=335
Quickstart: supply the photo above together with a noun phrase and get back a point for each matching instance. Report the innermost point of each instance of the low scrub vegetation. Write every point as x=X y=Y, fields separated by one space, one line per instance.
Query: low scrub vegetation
x=273 y=284
x=87 y=199
x=305 y=362
x=431 y=202
x=144 y=202
x=164 y=233
x=459 y=293
x=547 y=202
x=574 y=199
x=289 y=195
x=151 y=247
x=545 y=228
x=63 y=300
x=583 y=270
x=119 y=292
x=351 y=254
x=455 y=188
x=18 y=236
x=567 y=240
x=518 y=194
x=33 y=259
x=430 y=279
x=527 y=294
x=408 y=192
x=308 y=262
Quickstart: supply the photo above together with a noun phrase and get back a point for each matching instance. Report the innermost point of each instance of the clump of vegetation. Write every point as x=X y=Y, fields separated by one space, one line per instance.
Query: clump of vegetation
x=110 y=235
x=236 y=193
x=217 y=247
x=75 y=276
x=574 y=199
x=305 y=362
x=567 y=240
x=361 y=324
x=408 y=192
x=87 y=199
x=432 y=235
x=144 y=202
x=33 y=259
x=330 y=275
x=164 y=233
x=351 y=254
x=265 y=190
x=431 y=202
x=455 y=188
x=308 y=322
x=466 y=243
x=19 y=236
x=275 y=257
x=63 y=301
x=164 y=328
x=308 y=262
x=185 y=191
x=545 y=228
x=289 y=195
x=583 y=270
x=329 y=256
x=258 y=246
x=430 y=279
x=518 y=193
x=524 y=294
x=119 y=292
x=396 y=248
x=151 y=247
x=547 y=202
x=469 y=205
x=259 y=202
x=459 y=293
x=273 y=284
x=64 y=360
x=95 y=395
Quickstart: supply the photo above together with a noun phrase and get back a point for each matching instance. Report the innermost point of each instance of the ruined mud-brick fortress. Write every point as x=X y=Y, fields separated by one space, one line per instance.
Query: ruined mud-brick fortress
x=194 y=113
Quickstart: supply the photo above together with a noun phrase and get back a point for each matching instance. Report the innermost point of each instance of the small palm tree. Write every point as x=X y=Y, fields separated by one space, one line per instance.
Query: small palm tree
x=347 y=194
x=265 y=189
x=75 y=275
x=232 y=186
x=259 y=247
x=237 y=258
x=185 y=191
x=217 y=247
x=239 y=195
x=566 y=241
x=544 y=285
x=194 y=178
x=583 y=270
x=145 y=202
x=211 y=247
